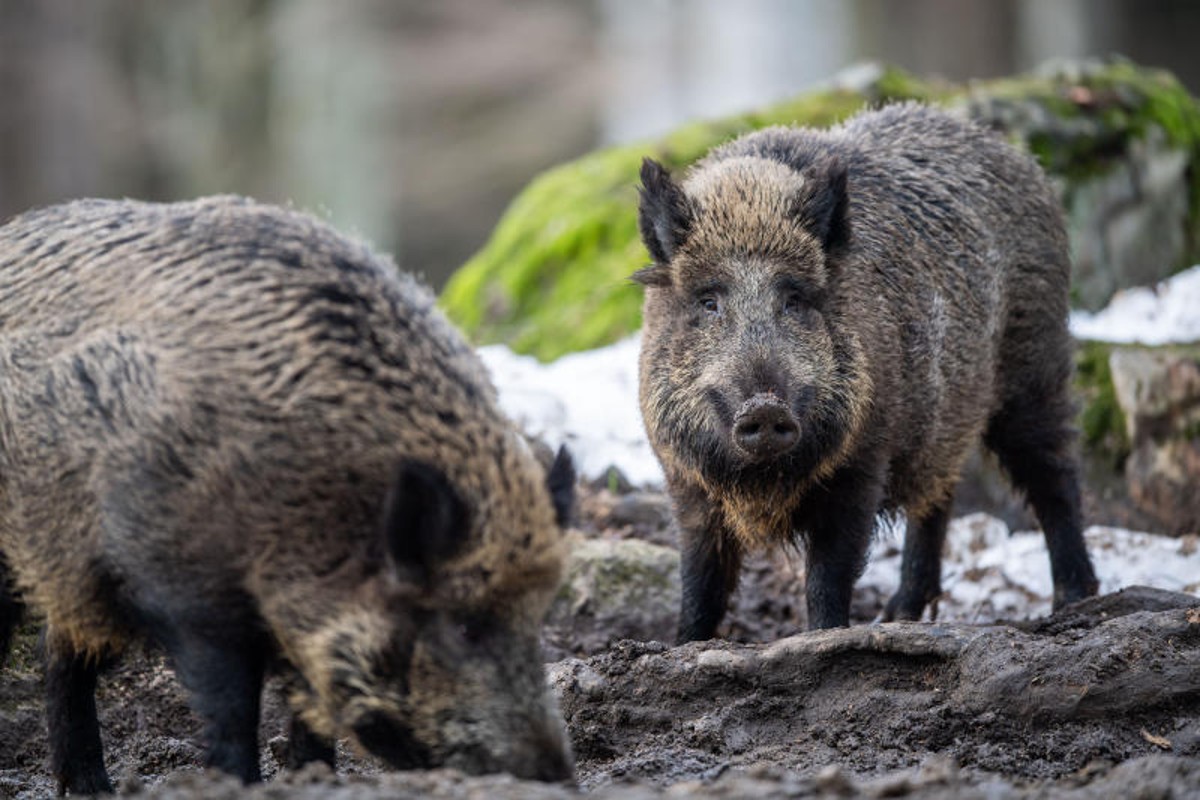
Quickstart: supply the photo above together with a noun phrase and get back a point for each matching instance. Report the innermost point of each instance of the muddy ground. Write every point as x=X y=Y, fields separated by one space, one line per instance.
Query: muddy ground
x=1101 y=701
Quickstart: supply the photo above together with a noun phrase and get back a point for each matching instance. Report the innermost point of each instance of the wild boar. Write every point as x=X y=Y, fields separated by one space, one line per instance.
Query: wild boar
x=235 y=433
x=832 y=320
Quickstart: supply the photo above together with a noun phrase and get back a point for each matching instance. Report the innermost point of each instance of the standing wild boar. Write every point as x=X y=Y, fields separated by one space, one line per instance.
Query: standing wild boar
x=832 y=319
x=231 y=431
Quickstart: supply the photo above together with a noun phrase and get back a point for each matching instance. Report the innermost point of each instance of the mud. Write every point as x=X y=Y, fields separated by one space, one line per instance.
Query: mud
x=1101 y=700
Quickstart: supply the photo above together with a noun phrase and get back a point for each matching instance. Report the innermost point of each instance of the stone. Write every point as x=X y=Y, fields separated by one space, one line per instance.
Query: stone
x=642 y=509
x=1163 y=481
x=1158 y=391
x=1129 y=222
x=615 y=589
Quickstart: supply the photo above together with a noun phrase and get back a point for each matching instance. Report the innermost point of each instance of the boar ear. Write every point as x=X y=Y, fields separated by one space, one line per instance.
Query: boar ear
x=664 y=216
x=652 y=275
x=560 y=481
x=822 y=210
x=424 y=519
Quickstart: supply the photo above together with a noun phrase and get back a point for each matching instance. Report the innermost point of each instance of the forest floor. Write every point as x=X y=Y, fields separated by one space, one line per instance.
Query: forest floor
x=1101 y=700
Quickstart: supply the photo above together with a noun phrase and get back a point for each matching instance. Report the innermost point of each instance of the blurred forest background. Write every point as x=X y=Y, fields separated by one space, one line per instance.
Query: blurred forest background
x=413 y=122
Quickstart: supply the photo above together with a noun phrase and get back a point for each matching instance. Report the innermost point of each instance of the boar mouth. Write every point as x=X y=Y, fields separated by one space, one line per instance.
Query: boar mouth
x=764 y=428
x=391 y=741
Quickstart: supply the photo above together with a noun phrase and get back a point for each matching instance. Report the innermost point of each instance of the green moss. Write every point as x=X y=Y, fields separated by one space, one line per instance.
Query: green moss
x=554 y=276
x=614 y=480
x=896 y=84
x=1101 y=422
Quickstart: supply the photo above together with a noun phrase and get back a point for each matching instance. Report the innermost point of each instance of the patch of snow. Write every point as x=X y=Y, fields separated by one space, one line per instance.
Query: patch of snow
x=990 y=574
x=1163 y=314
x=587 y=401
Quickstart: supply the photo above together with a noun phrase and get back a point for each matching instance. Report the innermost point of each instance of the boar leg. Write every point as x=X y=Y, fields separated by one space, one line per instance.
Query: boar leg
x=920 y=567
x=76 y=755
x=710 y=560
x=1032 y=440
x=305 y=746
x=224 y=678
x=836 y=540
x=10 y=611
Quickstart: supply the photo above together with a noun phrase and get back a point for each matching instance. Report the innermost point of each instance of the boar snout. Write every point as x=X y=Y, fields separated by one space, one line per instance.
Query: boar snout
x=392 y=742
x=764 y=428
x=534 y=750
x=553 y=763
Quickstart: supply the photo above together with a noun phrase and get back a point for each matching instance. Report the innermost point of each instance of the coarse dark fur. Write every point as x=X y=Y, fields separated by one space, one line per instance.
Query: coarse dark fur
x=232 y=431
x=832 y=319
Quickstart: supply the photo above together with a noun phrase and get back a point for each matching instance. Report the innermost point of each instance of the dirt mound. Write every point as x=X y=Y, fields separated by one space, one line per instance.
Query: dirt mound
x=876 y=698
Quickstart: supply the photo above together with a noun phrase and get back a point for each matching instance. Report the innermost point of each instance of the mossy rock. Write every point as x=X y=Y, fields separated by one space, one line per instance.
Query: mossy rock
x=554 y=276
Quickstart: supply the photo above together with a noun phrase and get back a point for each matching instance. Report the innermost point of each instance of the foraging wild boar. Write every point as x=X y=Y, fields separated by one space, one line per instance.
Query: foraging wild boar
x=229 y=430
x=832 y=319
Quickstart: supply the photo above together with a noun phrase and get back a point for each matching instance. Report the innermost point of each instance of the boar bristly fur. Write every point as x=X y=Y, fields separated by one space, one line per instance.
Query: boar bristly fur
x=832 y=320
x=229 y=430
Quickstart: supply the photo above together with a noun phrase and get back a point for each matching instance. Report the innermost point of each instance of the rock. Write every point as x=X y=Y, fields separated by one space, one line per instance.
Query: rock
x=1121 y=142
x=1158 y=391
x=615 y=589
x=1129 y=222
x=650 y=510
x=1163 y=480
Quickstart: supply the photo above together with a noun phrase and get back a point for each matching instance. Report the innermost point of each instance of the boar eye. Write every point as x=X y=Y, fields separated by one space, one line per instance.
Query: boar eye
x=709 y=304
x=799 y=300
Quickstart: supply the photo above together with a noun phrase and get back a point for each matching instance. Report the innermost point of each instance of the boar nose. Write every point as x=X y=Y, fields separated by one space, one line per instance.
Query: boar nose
x=764 y=427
